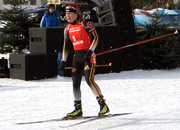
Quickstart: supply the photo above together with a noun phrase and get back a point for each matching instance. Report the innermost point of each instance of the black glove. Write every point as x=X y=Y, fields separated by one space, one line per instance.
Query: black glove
x=62 y=66
x=88 y=55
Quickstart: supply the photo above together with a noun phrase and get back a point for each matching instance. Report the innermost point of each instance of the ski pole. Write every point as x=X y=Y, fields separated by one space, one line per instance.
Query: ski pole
x=110 y=64
x=176 y=32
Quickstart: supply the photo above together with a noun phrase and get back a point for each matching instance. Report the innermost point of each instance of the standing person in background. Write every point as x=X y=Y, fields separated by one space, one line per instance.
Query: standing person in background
x=51 y=18
x=84 y=39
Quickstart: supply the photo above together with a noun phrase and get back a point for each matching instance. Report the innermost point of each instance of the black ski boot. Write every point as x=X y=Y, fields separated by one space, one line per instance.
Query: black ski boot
x=77 y=112
x=103 y=107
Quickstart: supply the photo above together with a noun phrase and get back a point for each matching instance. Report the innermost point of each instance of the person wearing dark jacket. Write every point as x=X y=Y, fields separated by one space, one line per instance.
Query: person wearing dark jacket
x=51 y=18
x=84 y=38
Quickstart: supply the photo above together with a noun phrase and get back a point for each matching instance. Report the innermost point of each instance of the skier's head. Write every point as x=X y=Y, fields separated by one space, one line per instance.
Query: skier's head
x=72 y=8
x=72 y=13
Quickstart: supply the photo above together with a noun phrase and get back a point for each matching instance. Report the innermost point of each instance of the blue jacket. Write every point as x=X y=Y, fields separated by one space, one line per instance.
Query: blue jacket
x=49 y=20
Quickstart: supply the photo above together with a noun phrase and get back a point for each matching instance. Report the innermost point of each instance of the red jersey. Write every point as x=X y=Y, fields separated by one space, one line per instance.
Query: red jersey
x=79 y=37
x=82 y=35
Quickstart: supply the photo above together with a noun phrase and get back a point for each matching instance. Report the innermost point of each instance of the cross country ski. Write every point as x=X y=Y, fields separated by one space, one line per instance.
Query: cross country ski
x=54 y=120
x=95 y=118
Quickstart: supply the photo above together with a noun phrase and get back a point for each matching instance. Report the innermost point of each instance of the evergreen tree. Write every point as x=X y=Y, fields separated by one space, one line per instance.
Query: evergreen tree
x=17 y=28
x=163 y=53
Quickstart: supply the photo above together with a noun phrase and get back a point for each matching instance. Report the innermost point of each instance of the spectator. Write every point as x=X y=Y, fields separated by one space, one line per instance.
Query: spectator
x=51 y=18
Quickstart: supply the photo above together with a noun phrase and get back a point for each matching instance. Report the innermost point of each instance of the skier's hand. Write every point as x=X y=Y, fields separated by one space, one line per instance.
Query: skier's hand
x=62 y=66
x=88 y=55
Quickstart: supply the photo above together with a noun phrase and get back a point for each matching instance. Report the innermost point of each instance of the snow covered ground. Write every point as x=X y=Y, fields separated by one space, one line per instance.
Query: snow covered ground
x=152 y=96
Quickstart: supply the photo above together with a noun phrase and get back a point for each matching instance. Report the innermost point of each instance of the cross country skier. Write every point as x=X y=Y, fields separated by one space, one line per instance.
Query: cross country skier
x=84 y=39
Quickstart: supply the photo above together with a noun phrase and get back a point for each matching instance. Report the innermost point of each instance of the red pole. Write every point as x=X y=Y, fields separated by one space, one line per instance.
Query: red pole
x=137 y=43
x=176 y=32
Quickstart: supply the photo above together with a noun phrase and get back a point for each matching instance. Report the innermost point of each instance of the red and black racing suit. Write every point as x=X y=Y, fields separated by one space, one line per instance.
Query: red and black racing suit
x=83 y=37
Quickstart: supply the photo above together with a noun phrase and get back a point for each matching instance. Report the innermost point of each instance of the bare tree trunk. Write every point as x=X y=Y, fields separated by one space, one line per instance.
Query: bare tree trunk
x=164 y=3
x=172 y=4
x=157 y=3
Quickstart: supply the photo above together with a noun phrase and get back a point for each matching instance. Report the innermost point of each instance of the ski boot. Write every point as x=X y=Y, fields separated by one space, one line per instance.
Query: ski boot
x=103 y=107
x=76 y=113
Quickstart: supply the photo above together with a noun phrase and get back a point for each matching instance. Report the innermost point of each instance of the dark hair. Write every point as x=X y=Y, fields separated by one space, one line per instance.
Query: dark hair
x=51 y=5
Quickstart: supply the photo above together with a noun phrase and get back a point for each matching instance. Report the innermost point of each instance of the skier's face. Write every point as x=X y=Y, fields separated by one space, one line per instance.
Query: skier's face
x=71 y=16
